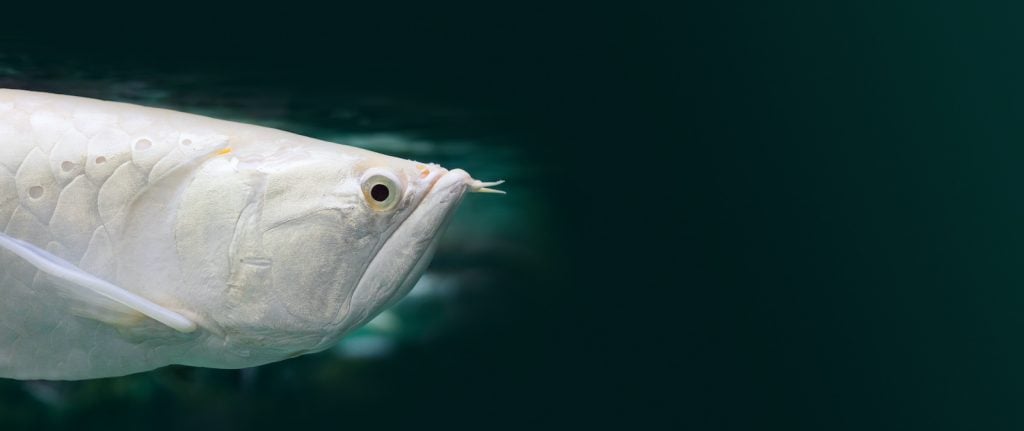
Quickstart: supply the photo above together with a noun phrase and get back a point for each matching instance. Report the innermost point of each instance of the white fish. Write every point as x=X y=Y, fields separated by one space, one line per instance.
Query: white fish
x=135 y=238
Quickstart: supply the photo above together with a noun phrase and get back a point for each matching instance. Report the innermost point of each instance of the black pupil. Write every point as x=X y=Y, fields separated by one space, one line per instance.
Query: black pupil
x=380 y=192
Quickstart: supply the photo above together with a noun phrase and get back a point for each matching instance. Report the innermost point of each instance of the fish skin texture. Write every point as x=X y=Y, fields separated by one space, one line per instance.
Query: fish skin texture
x=67 y=171
x=259 y=244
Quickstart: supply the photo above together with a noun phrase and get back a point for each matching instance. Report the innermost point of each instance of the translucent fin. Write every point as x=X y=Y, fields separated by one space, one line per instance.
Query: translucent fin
x=91 y=285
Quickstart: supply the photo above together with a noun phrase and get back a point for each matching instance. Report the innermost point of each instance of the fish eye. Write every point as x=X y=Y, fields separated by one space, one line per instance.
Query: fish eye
x=381 y=189
x=380 y=192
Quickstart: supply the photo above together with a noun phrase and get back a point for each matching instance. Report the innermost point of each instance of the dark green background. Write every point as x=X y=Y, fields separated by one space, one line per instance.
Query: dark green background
x=790 y=215
x=857 y=217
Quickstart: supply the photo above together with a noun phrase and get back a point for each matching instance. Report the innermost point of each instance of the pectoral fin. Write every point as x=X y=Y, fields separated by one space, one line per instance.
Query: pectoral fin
x=90 y=288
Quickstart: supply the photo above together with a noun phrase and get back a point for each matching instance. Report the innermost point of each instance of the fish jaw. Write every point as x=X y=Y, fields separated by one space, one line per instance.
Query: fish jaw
x=408 y=251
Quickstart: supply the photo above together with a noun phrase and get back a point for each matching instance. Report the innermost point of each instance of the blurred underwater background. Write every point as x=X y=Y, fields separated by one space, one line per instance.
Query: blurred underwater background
x=730 y=215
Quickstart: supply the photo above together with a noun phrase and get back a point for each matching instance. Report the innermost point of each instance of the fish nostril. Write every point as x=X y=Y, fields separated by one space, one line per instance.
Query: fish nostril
x=143 y=144
x=35 y=192
x=186 y=142
x=67 y=166
x=101 y=160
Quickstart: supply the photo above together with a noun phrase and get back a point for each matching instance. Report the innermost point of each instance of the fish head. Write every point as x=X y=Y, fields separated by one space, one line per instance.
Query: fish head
x=340 y=236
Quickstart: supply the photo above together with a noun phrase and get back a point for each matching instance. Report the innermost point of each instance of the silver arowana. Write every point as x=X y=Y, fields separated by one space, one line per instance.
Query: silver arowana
x=134 y=238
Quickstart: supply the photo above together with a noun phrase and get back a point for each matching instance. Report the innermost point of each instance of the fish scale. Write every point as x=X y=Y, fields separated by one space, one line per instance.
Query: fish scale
x=66 y=172
x=64 y=146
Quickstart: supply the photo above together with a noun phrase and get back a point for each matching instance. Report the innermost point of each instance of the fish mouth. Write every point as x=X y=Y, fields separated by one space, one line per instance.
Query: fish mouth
x=407 y=252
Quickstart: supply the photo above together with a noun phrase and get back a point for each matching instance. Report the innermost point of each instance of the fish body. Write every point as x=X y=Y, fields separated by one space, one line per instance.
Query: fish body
x=136 y=237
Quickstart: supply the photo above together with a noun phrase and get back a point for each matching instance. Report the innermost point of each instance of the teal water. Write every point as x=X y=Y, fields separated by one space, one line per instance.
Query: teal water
x=721 y=215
